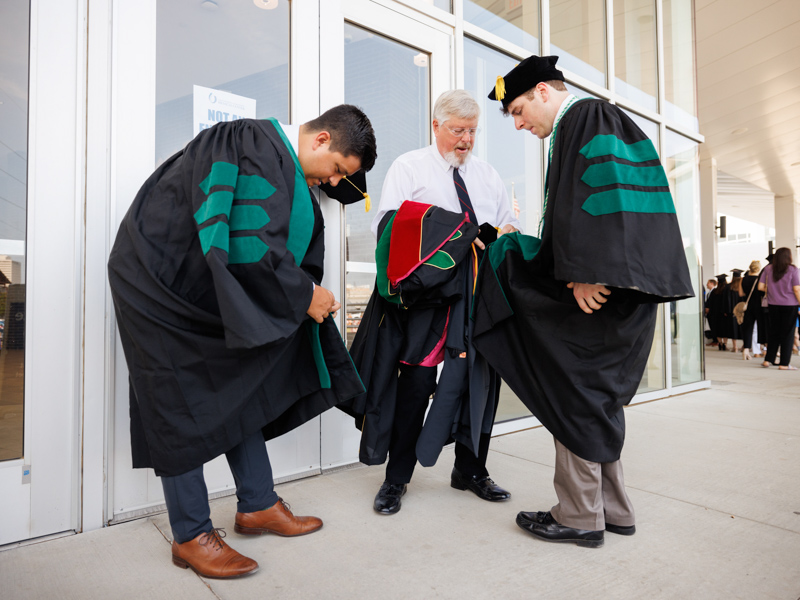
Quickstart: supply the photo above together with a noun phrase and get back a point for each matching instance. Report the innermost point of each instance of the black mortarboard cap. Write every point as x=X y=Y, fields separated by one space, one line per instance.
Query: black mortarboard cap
x=722 y=277
x=350 y=189
x=737 y=272
x=524 y=76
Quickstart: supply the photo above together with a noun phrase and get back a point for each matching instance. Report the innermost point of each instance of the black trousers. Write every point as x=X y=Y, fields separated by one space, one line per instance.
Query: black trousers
x=187 y=496
x=414 y=387
x=781 y=333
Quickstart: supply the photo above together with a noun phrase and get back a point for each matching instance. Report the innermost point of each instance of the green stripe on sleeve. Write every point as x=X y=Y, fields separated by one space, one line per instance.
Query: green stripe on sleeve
x=218 y=203
x=622 y=200
x=252 y=187
x=248 y=216
x=246 y=250
x=215 y=236
x=222 y=173
x=614 y=173
x=605 y=145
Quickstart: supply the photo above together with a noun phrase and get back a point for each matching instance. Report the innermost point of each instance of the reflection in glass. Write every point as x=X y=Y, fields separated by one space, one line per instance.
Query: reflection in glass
x=654 y=378
x=390 y=82
x=578 y=37
x=679 y=76
x=14 y=28
x=516 y=155
x=635 y=51
x=232 y=47
x=516 y=21
x=686 y=327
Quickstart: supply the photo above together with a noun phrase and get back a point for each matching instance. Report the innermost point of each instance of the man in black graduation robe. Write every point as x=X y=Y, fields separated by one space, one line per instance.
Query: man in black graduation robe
x=215 y=275
x=568 y=320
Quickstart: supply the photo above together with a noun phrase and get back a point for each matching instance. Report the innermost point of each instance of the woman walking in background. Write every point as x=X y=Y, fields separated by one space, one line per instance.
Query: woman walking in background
x=781 y=282
x=753 y=325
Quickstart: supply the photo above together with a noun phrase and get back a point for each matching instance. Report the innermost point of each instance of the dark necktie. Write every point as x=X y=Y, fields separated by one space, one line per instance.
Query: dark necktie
x=463 y=197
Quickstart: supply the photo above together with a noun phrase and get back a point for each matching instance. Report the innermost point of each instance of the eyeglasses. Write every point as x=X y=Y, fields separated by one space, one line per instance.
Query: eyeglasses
x=459 y=133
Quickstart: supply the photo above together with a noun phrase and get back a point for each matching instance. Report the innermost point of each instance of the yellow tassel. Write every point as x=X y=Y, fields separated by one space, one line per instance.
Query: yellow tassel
x=368 y=201
x=500 y=88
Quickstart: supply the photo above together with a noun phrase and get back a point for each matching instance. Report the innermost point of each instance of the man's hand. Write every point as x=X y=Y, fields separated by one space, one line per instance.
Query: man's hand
x=590 y=296
x=507 y=229
x=322 y=304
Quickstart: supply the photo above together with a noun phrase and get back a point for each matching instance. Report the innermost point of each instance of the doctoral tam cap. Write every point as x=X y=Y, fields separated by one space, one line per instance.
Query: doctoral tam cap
x=524 y=76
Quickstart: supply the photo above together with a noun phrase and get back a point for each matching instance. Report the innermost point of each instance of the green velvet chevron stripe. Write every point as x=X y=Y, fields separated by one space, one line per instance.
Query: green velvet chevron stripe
x=620 y=198
x=611 y=145
x=243 y=249
x=614 y=173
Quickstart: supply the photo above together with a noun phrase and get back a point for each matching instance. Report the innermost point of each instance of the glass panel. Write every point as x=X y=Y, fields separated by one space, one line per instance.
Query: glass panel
x=390 y=82
x=686 y=329
x=578 y=37
x=679 y=75
x=240 y=50
x=516 y=157
x=654 y=374
x=635 y=51
x=649 y=127
x=516 y=21
x=443 y=4
x=14 y=28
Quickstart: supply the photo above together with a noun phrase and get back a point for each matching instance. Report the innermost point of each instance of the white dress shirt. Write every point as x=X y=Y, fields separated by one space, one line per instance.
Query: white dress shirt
x=425 y=176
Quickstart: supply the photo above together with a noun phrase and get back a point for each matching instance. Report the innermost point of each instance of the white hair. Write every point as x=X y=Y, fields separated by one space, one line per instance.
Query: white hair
x=458 y=104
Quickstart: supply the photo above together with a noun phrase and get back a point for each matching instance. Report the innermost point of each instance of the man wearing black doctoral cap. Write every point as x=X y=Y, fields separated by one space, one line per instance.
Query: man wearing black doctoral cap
x=568 y=320
x=215 y=275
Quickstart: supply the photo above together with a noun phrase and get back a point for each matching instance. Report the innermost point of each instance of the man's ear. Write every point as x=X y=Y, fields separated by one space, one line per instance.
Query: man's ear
x=436 y=126
x=320 y=139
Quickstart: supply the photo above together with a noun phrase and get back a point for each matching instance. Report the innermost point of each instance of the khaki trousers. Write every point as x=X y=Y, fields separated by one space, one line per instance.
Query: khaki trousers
x=589 y=493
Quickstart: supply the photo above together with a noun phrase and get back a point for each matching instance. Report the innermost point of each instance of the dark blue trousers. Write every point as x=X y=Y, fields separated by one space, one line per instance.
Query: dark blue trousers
x=187 y=496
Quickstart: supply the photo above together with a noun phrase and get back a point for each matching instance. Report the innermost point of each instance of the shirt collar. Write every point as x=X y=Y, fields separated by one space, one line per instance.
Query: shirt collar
x=563 y=108
x=292 y=133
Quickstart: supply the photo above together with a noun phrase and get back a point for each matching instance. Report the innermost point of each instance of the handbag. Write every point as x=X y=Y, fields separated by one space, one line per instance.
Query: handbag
x=741 y=307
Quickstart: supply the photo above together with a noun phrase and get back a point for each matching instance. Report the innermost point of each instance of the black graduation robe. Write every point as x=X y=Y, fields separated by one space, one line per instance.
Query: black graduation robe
x=421 y=262
x=609 y=219
x=211 y=275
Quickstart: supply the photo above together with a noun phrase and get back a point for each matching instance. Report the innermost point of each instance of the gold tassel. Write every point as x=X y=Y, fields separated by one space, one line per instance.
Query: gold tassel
x=500 y=88
x=367 y=199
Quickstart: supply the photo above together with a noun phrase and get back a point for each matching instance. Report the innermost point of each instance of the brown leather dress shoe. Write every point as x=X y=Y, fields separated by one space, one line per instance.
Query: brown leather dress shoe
x=277 y=519
x=209 y=556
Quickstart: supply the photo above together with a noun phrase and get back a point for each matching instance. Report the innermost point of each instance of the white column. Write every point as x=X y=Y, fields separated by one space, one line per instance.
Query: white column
x=708 y=217
x=787 y=212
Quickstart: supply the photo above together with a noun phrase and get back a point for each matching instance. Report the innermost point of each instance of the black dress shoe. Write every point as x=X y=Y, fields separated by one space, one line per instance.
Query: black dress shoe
x=387 y=502
x=482 y=487
x=544 y=526
x=621 y=529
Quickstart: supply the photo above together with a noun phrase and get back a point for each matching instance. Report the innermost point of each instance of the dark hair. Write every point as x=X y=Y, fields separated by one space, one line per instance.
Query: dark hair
x=736 y=284
x=556 y=84
x=351 y=133
x=781 y=262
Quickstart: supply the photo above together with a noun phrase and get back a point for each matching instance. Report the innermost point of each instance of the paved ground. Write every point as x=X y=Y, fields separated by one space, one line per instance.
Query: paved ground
x=714 y=476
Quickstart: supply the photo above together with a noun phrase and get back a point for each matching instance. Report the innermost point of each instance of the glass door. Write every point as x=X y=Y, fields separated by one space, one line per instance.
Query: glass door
x=40 y=292
x=187 y=66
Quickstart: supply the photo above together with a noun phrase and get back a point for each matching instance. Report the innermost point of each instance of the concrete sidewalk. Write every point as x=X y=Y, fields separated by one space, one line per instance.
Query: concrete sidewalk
x=714 y=476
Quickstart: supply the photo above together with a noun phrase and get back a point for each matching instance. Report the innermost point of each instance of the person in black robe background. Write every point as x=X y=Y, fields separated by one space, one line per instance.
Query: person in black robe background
x=719 y=311
x=568 y=320
x=215 y=275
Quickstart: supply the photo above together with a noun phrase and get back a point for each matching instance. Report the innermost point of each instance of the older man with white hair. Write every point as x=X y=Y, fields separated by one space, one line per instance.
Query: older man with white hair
x=445 y=174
